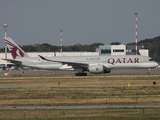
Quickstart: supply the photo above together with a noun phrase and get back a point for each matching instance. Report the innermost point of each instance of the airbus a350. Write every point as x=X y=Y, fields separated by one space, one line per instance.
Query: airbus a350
x=80 y=64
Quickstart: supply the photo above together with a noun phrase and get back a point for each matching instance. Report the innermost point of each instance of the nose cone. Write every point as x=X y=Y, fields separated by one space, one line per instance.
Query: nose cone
x=156 y=64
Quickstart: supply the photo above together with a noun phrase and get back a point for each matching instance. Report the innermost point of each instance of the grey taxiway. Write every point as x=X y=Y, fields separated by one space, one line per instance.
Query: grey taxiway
x=76 y=107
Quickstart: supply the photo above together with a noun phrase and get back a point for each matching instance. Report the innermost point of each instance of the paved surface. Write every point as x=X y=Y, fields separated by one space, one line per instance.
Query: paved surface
x=47 y=72
x=6 y=87
x=77 y=107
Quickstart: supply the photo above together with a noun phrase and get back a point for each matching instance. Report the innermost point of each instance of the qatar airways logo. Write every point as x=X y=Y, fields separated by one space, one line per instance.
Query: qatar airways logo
x=123 y=60
x=14 y=50
x=97 y=69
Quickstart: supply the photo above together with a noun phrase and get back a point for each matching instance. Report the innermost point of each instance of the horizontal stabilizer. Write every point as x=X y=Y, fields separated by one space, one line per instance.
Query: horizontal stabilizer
x=13 y=61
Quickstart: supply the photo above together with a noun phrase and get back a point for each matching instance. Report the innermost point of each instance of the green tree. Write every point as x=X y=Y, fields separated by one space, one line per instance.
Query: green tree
x=115 y=43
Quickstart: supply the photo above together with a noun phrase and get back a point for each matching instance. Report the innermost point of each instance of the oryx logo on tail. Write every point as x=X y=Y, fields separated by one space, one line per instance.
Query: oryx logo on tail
x=14 y=48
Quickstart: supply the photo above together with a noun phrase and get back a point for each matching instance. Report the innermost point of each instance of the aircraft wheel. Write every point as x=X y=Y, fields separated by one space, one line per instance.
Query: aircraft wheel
x=76 y=74
x=80 y=74
x=147 y=73
x=84 y=74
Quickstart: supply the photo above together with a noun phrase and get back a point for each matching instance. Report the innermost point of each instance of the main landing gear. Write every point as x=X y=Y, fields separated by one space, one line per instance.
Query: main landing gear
x=80 y=74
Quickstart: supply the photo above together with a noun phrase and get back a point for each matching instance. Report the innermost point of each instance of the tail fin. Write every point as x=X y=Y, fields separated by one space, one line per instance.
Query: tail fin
x=14 y=49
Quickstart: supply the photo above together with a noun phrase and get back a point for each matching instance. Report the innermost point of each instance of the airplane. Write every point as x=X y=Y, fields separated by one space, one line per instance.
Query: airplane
x=80 y=64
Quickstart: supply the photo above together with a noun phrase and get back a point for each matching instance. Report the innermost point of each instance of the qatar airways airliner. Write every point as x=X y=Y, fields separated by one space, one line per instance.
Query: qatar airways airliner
x=80 y=64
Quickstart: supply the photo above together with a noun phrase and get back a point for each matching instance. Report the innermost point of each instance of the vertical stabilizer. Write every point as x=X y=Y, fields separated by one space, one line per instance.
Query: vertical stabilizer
x=14 y=49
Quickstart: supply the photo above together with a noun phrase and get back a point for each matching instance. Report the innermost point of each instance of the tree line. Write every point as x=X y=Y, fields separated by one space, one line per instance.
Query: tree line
x=153 y=44
x=45 y=47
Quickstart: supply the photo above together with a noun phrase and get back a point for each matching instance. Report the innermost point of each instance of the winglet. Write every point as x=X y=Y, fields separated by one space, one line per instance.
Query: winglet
x=42 y=57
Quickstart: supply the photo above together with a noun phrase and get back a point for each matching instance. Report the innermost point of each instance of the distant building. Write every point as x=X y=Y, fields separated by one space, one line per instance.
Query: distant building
x=122 y=50
x=118 y=49
x=105 y=50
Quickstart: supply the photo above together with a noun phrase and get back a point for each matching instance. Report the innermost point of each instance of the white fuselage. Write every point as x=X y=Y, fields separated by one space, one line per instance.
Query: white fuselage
x=110 y=62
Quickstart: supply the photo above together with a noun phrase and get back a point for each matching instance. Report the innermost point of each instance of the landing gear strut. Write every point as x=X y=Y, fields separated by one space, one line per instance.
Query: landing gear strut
x=80 y=74
x=148 y=72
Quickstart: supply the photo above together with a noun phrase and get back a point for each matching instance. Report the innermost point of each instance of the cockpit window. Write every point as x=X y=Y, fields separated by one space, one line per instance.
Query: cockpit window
x=151 y=60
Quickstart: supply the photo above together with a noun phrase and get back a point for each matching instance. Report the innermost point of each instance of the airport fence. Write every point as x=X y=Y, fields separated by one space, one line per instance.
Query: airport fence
x=88 y=114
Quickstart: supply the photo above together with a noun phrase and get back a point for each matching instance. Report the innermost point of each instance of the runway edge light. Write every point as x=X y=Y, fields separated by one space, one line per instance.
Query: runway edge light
x=58 y=83
x=129 y=84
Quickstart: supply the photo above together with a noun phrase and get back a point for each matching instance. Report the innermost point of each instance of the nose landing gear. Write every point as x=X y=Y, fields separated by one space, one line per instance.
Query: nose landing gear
x=148 y=72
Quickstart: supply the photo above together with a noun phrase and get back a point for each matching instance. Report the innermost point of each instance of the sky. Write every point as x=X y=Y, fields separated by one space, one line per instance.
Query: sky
x=82 y=21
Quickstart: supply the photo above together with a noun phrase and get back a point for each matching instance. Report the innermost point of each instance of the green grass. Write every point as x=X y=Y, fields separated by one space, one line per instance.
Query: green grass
x=79 y=114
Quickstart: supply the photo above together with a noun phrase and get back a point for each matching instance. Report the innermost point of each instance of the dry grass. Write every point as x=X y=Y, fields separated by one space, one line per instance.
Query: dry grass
x=44 y=90
x=115 y=80
x=80 y=90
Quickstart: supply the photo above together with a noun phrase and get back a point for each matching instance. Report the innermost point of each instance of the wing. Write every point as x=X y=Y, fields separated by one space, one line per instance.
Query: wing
x=13 y=61
x=73 y=64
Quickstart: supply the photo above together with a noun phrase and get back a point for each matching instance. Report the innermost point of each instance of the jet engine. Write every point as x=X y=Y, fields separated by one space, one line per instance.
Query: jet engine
x=98 y=69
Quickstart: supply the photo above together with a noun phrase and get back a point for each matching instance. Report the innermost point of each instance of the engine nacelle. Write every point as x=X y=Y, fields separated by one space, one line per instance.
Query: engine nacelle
x=98 y=69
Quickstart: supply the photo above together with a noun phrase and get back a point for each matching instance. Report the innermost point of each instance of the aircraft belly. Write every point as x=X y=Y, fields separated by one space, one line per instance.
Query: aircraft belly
x=55 y=66
x=132 y=66
x=45 y=66
x=51 y=67
x=66 y=67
